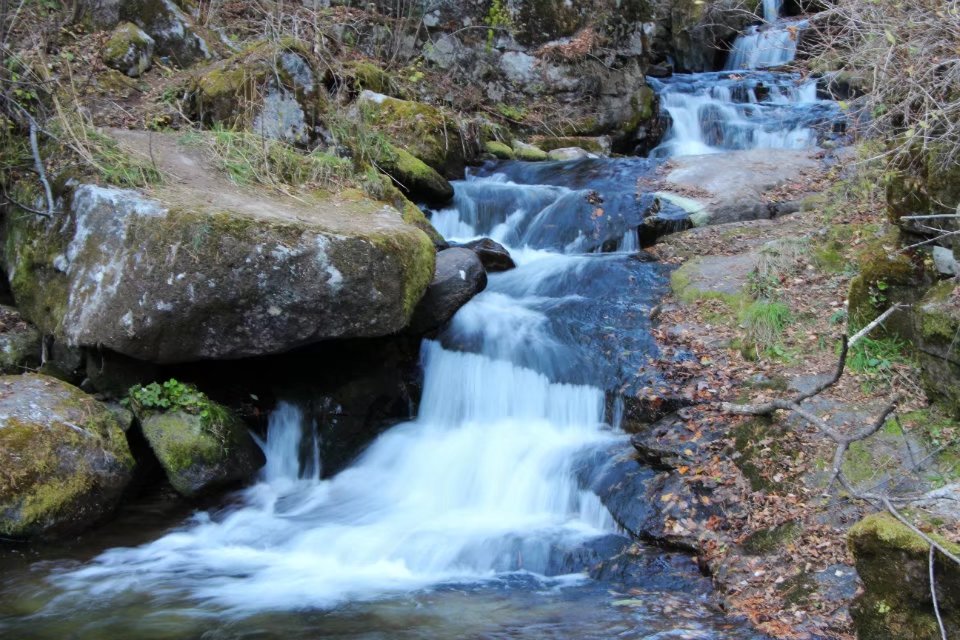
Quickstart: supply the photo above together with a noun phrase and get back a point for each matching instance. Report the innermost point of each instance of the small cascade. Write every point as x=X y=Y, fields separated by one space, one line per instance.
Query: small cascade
x=763 y=47
x=771 y=9
x=722 y=111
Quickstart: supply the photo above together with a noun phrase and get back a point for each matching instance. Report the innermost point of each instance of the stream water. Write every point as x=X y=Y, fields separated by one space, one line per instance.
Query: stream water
x=475 y=520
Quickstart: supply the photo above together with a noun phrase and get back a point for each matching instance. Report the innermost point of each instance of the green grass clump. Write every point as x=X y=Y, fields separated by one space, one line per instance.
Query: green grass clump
x=877 y=355
x=248 y=158
x=765 y=322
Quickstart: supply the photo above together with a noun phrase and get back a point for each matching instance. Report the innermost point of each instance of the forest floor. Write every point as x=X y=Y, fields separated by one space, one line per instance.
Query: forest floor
x=761 y=306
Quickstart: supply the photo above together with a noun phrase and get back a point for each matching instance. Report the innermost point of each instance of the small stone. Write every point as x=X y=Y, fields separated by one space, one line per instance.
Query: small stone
x=129 y=50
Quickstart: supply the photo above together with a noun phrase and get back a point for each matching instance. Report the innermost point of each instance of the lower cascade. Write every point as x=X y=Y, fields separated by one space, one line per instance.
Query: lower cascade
x=485 y=492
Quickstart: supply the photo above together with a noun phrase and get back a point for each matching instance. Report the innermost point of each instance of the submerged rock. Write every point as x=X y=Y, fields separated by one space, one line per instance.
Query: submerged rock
x=64 y=457
x=200 y=445
x=493 y=255
x=205 y=269
x=20 y=346
x=893 y=563
x=129 y=50
x=458 y=278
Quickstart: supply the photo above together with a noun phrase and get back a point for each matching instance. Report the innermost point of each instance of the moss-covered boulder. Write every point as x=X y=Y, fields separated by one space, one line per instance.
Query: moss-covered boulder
x=129 y=50
x=886 y=277
x=413 y=176
x=937 y=339
x=893 y=563
x=64 y=458
x=271 y=88
x=175 y=33
x=206 y=269
x=528 y=152
x=200 y=444
x=498 y=150
x=20 y=346
x=423 y=130
x=599 y=145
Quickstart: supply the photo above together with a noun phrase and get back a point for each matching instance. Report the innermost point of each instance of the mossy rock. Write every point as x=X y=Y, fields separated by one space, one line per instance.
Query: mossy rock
x=174 y=31
x=424 y=131
x=886 y=277
x=528 y=152
x=498 y=150
x=269 y=87
x=937 y=337
x=65 y=458
x=129 y=50
x=20 y=346
x=599 y=145
x=893 y=563
x=365 y=75
x=414 y=176
x=411 y=213
x=201 y=451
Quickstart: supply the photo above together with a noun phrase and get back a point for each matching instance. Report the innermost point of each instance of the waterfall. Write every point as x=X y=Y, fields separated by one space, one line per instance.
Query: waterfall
x=760 y=47
x=771 y=9
x=714 y=112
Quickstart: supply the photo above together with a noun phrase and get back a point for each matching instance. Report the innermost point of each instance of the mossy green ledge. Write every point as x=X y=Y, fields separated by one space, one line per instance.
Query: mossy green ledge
x=201 y=268
x=64 y=456
x=893 y=563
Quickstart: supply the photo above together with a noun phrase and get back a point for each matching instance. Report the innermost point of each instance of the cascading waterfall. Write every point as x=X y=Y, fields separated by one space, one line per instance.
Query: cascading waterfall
x=720 y=111
x=762 y=47
x=771 y=9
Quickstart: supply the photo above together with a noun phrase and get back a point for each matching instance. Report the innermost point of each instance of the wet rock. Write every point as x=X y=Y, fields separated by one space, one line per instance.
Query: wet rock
x=65 y=458
x=598 y=145
x=20 y=344
x=129 y=50
x=459 y=277
x=893 y=563
x=172 y=29
x=493 y=255
x=568 y=153
x=201 y=451
x=203 y=269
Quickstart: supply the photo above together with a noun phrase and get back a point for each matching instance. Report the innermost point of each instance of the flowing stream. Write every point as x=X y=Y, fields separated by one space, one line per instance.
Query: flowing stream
x=472 y=521
x=475 y=519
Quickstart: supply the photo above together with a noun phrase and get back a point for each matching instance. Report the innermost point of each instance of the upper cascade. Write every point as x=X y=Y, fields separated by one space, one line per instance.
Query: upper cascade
x=764 y=47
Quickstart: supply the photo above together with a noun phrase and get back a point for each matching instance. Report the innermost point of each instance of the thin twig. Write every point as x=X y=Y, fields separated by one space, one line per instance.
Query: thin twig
x=933 y=594
x=38 y=165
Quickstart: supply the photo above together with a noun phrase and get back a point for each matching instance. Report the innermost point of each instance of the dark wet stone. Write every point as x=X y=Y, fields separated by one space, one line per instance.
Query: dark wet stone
x=458 y=277
x=493 y=255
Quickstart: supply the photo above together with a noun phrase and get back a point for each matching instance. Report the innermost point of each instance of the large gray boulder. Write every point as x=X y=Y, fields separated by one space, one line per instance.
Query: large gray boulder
x=205 y=269
x=459 y=277
x=64 y=458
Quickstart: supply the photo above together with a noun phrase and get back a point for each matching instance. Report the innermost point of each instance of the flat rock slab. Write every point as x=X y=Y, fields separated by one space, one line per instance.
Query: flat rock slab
x=730 y=187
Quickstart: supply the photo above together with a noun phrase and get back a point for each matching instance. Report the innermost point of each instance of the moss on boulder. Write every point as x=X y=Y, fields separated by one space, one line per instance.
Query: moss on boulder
x=200 y=444
x=414 y=176
x=64 y=457
x=885 y=277
x=600 y=145
x=129 y=50
x=528 y=152
x=426 y=132
x=498 y=150
x=271 y=88
x=893 y=563
x=937 y=338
